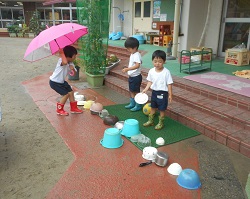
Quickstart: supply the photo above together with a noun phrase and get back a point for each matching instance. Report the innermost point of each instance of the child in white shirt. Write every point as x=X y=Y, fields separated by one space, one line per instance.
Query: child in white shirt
x=160 y=81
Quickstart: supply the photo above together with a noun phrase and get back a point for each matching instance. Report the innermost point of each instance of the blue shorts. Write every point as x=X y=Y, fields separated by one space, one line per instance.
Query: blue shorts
x=134 y=83
x=61 y=88
x=159 y=99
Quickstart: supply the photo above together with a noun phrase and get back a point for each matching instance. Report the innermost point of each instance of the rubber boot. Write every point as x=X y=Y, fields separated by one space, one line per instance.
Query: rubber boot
x=131 y=104
x=73 y=108
x=150 y=121
x=60 y=110
x=137 y=107
x=160 y=125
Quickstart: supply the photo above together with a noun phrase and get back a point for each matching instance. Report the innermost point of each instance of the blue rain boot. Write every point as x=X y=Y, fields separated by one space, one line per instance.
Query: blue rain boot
x=131 y=104
x=137 y=107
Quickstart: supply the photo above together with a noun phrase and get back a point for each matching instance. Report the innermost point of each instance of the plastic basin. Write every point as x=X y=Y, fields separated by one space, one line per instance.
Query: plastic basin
x=130 y=128
x=112 y=138
x=140 y=38
x=189 y=179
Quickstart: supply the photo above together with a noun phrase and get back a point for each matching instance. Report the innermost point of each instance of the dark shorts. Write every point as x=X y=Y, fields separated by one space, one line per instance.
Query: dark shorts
x=159 y=99
x=62 y=89
x=134 y=83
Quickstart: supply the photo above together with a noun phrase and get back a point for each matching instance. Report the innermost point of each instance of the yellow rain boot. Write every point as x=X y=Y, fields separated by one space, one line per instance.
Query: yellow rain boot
x=160 y=125
x=150 y=121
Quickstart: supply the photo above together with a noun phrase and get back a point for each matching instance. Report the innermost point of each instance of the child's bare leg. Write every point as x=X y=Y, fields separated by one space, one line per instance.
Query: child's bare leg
x=71 y=96
x=162 y=113
x=64 y=99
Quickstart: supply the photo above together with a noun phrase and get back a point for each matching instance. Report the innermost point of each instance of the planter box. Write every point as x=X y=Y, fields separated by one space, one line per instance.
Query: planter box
x=237 y=58
x=95 y=80
x=108 y=68
x=12 y=34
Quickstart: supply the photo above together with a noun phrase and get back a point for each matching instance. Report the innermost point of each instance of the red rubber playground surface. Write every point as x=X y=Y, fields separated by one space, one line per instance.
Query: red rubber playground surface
x=97 y=172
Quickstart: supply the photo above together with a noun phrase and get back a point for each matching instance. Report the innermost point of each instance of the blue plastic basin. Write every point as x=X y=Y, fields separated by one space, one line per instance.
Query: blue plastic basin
x=140 y=38
x=112 y=138
x=130 y=128
x=189 y=179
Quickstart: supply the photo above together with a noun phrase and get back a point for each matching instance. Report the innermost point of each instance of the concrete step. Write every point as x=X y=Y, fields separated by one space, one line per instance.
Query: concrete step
x=222 y=116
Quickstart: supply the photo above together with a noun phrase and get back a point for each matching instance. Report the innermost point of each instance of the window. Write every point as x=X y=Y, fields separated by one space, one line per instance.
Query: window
x=147 y=9
x=138 y=9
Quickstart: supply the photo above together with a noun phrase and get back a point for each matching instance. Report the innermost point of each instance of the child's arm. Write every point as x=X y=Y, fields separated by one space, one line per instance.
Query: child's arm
x=170 y=94
x=147 y=87
x=62 y=55
x=137 y=65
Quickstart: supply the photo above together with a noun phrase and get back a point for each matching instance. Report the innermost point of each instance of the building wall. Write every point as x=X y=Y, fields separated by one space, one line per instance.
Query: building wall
x=193 y=22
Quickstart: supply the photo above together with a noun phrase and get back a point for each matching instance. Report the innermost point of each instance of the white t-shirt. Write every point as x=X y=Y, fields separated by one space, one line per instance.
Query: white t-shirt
x=134 y=58
x=60 y=72
x=160 y=80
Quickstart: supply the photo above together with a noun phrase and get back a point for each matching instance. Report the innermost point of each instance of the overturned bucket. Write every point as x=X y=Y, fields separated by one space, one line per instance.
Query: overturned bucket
x=112 y=138
x=130 y=128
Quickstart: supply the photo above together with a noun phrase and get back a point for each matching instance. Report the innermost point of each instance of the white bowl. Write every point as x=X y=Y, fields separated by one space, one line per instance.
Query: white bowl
x=160 y=141
x=174 y=169
x=149 y=153
x=79 y=97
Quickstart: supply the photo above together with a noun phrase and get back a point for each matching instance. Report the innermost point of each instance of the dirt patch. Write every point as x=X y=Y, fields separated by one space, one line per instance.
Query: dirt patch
x=33 y=156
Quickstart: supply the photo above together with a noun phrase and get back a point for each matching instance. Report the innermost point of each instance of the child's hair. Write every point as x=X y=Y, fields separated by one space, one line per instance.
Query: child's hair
x=159 y=54
x=131 y=42
x=69 y=51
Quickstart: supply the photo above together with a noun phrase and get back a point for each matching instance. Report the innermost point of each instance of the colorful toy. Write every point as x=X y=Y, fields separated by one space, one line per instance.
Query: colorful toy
x=147 y=108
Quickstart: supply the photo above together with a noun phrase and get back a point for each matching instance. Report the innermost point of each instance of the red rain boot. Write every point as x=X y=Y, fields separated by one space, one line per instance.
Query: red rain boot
x=60 y=110
x=74 y=109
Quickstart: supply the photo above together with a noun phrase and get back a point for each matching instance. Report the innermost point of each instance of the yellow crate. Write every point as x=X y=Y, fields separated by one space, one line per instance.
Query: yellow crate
x=237 y=58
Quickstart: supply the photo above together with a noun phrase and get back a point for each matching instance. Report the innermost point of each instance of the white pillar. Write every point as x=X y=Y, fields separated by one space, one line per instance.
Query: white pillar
x=176 y=27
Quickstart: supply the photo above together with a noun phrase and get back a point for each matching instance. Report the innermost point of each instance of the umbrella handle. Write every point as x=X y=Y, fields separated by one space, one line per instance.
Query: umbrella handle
x=72 y=72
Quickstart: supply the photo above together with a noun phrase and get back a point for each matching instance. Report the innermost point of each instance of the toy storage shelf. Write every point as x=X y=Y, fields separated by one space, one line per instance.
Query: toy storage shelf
x=204 y=61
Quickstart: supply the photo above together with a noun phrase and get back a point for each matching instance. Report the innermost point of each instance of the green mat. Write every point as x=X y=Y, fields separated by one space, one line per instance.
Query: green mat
x=172 y=132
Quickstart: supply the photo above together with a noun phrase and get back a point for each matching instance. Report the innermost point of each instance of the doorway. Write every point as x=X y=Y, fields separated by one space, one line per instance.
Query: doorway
x=235 y=26
x=142 y=16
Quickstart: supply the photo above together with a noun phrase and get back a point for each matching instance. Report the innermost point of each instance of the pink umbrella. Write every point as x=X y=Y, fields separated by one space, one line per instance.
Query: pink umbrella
x=49 y=41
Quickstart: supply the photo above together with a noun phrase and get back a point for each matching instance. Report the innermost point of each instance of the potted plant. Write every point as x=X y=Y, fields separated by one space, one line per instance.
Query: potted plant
x=94 y=15
x=112 y=61
x=13 y=29
x=25 y=30
x=35 y=25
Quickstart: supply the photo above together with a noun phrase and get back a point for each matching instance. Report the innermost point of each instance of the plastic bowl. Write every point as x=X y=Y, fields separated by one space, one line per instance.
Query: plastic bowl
x=130 y=128
x=119 y=125
x=189 y=179
x=174 y=169
x=112 y=138
x=149 y=153
x=144 y=142
x=135 y=138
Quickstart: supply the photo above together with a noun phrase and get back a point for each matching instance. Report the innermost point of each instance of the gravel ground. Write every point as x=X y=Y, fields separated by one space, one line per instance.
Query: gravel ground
x=32 y=154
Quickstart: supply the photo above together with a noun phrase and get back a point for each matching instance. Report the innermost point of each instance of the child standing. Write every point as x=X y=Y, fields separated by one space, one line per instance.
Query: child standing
x=160 y=81
x=57 y=80
x=134 y=72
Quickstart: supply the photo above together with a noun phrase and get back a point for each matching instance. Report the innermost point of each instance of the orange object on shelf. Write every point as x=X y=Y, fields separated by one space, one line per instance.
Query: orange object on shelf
x=167 y=39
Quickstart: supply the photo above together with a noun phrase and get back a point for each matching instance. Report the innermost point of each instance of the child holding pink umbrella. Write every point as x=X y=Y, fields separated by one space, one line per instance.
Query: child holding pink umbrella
x=57 y=80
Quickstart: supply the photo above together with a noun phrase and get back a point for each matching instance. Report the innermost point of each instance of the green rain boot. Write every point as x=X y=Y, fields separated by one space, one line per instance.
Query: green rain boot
x=136 y=108
x=160 y=125
x=131 y=104
x=150 y=121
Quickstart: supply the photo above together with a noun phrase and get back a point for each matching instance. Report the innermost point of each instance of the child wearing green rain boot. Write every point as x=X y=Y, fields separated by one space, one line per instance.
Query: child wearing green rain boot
x=160 y=81
x=134 y=72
